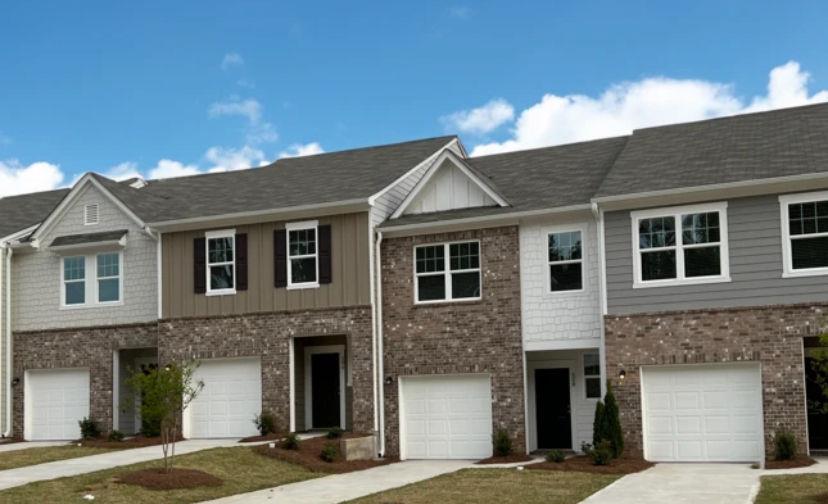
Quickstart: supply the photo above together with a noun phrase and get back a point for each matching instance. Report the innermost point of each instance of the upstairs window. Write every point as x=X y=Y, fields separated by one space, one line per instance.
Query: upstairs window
x=103 y=287
x=109 y=277
x=805 y=231
x=592 y=376
x=684 y=245
x=439 y=279
x=221 y=262
x=74 y=281
x=565 y=261
x=303 y=254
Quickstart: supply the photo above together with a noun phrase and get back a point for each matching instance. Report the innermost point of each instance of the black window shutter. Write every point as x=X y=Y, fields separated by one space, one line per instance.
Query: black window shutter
x=325 y=254
x=280 y=258
x=241 y=262
x=199 y=265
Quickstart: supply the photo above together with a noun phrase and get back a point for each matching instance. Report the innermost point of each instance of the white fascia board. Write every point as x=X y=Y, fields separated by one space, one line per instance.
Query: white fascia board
x=18 y=235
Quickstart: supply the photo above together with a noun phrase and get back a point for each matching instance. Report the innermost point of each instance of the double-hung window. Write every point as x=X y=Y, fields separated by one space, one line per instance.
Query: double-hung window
x=303 y=254
x=447 y=271
x=221 y=262
x=805 y=233
x=592 y=376
x=566 y=261
x=682 y=245
x=104 y=285
x=74 y=281
x=109 y=277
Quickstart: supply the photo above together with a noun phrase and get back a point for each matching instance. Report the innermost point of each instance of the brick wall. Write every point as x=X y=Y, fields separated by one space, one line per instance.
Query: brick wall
x=770 y=335
x=267 y=335
x=90 y=348
x=455 y=338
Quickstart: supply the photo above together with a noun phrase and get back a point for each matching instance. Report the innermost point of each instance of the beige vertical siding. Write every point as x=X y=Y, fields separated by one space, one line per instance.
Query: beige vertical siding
x=349 y=285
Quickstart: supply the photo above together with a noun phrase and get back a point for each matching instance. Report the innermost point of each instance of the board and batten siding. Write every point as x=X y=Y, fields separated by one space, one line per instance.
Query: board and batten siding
x=755 y=242
x=349 y=285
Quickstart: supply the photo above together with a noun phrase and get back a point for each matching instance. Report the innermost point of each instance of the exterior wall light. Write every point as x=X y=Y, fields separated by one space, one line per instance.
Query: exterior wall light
x=622 y=375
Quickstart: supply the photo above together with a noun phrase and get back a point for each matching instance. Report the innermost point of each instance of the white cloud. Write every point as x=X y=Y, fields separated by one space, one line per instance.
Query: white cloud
x=258 y=130
x=228 y=159
x=16 y=178
x=123 y=171
x=299 y=150
x=231 y=60
x=481 y=120
x=167 y=168
x=648 y=102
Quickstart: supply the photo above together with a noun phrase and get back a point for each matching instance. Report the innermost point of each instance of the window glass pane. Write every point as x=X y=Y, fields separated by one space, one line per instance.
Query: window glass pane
x=593 y=388
x=810 y=252
x=107 y=265
x=108 y=290
x=303 y=270
x=430 y=259
x=700 y=228
x=565 y=246
x=75 y=293
x=464 y=255
x=658 y=265
x=563 y=277
x=220 y=249
x=432 y=287
x=592 y=366
x=702 y=261
x=657 y=232
x=302 y=242
x=808 y=218
x=465 y=285
x=221 y=277
x=74 y=268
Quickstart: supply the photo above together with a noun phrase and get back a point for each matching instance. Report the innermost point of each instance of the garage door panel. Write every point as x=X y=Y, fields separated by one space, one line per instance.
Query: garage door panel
x=231 y=397
x=56 y=400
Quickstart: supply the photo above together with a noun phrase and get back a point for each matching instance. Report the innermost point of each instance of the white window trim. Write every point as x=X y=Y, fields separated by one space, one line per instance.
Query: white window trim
x=586 y=376
x=582 y=260
x=91 y=283
x=676 y=213
x=446 y=273
x=299 y=226
x=211 y=235
x=788 y=270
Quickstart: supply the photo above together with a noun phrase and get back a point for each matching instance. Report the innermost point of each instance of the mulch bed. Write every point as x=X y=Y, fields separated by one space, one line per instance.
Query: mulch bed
x=307 y=456
x=582 y=463
x=269 y=437
x=157 y=479
x=5 y=441
x=798 y=461
x=131 y=442
x=508 y=459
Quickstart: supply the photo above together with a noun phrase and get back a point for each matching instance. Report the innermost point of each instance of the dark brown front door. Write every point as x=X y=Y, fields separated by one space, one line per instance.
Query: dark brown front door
x=817 y=416
x=552 y=408
x=325 y=401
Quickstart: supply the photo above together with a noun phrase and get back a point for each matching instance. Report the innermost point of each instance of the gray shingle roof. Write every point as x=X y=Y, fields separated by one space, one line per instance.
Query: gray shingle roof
x=20 y=212
x=762 y=145
x=81 y=239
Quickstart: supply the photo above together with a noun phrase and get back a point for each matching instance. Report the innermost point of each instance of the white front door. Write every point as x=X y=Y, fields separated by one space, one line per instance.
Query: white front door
x=446 y=417
x=703 y=413
x=56 y=400
x=230 y=399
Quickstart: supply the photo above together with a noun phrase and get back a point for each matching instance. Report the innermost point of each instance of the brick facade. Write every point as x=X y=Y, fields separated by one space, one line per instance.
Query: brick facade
x=268 y=335
x=90 y=348
x=459 y=337
x=769 y=335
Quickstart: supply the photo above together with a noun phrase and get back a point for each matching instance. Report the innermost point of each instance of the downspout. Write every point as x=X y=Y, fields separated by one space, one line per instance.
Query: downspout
x=380 y=371
x=598 y=214
x=9 y=350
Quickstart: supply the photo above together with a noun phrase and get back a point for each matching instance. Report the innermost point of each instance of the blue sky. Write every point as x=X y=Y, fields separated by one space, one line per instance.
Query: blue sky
x=163 y=88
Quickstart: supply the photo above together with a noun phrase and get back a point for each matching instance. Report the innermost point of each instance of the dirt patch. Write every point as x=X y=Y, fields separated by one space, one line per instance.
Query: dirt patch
x=583 y=463
x=132 y=442
x=157 y=479
x=508 y=459
x=5 y=441
x=821 y=498
x=269 y=437
x=307 y=456
x=798 y=461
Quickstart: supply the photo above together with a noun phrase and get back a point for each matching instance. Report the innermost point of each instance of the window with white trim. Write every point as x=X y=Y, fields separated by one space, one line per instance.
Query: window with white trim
x=303 y=254
x=441 y=280
x=221 y=261
x=565 y=261
x=104 y=285
x=683 y=245
x=592 y=376
x=805 y=232
x=74 y=281
x=109 y=277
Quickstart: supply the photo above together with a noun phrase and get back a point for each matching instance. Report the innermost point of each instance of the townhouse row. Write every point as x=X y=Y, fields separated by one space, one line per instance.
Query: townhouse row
x=431 y=298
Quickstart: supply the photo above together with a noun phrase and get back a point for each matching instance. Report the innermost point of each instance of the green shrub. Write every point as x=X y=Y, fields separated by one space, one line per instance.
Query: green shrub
x=502 y=443
x=265 y=424
x=291 y=442
x=613 y=423
x=601 y=454
x=329 y=452
x=785 y=444
x=116 y=436
x=599 y=425
x=89 y=429
x=555 y=456
x=335 y=433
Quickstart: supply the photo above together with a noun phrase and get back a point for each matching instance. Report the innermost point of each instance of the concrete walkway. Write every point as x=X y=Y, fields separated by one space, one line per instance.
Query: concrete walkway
x=7 y=447
x=344 y=487
x=82 y=465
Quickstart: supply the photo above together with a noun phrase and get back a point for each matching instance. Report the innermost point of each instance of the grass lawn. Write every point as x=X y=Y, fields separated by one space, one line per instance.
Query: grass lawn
x=797 y=488
x=241 y=469
x=497 y=486
x=31 y=456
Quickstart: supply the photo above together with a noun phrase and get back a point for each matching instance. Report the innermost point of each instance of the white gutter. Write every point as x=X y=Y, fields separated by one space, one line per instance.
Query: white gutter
x=8 y=253
x=598 y=213
x=380 y=369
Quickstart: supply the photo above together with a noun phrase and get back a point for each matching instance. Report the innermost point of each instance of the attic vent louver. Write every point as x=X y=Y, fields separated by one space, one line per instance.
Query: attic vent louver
x=90 y=214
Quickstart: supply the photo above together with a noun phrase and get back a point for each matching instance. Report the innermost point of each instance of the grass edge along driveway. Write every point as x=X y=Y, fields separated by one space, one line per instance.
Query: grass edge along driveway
x=41 y=455
x=793 y=488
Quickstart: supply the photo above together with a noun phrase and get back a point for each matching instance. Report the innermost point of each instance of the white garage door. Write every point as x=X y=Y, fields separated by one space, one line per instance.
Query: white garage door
x=231 y=397
x=703 y=413
x=446 y=417
x=56 y=400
